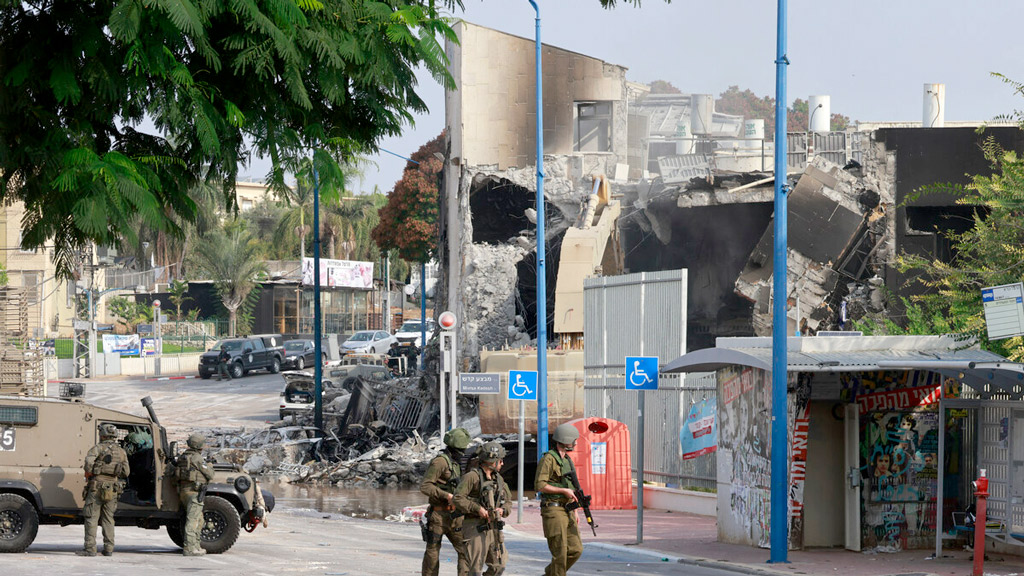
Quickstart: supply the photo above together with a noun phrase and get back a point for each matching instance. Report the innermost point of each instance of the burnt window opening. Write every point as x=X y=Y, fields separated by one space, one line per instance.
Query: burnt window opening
x=526 y=286
x=713 y=243
x=928 y=229
x=498 y=208
x=593 y=127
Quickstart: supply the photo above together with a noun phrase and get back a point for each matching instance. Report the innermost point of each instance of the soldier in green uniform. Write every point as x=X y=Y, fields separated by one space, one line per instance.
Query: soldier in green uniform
x=439 y=483
x=106 y=467
x=193 y=474
x=483 y=497
x=553 y=483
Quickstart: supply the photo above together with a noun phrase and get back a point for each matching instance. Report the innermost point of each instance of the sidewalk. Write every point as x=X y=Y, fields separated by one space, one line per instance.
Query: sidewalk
x=692 y=539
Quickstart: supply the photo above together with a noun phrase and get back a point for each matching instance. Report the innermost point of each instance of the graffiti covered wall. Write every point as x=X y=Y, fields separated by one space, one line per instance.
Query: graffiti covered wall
x=744 y=457
x=899 y=444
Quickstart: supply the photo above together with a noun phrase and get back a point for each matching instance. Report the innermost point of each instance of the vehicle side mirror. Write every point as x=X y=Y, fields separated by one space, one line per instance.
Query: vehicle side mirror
x=247 y=349
x=173 y=450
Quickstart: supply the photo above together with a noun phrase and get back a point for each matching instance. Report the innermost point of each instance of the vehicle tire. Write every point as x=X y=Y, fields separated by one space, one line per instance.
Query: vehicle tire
x=221 y=525
x=236 y=370
x=19 y=523
x=300 y=363
x=177 y=534
x=204 y=376
x=275 y=366
x=281 y=415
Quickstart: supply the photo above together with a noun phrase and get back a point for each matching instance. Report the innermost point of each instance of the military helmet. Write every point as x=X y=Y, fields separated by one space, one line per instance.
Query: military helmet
x=457 y=438
x=491 y=452
x=108 y=431
x=196 y=441
x=566 y=434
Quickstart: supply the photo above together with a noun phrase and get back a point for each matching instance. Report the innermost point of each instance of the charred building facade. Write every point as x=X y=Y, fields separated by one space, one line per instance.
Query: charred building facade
x=687 y=187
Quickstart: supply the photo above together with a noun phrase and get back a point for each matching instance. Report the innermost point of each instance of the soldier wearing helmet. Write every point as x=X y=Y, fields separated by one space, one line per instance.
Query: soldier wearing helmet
x=485 y=499
x=439 y=483
x=193 y=474
x=554 y=484
x=106 y=468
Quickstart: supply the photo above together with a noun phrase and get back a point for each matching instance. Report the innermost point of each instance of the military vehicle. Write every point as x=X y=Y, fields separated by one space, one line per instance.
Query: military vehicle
x=43 y=442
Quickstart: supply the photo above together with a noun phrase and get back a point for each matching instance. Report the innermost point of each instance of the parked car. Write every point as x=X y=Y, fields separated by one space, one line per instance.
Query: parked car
x=410 y=332
x=300 y=353
x=368 y=342
x=261 y=352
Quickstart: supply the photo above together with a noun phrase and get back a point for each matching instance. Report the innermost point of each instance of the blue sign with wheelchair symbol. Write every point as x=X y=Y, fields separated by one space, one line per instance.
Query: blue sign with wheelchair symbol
x=522 y=384
x=641 y=372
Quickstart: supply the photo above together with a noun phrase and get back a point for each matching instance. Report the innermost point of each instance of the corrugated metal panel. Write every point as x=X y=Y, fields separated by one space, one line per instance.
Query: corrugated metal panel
x=867 y=359
x=644 y=315
x=683 y=168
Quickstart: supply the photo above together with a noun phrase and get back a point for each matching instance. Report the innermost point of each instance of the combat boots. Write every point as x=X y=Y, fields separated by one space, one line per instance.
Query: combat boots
x=85 y=552
x=195 y=552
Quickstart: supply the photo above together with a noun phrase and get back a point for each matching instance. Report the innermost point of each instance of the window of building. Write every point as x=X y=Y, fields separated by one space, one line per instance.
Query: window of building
x=593 y=127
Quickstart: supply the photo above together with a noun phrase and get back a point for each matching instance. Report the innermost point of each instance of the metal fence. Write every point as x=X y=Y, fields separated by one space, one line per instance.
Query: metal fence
x=644 y=314
x=666 y=410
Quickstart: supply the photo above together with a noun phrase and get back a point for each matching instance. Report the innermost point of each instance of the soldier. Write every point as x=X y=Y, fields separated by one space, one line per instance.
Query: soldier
x=483 y=497
x=439 y=483
x=555 y=487
x=223 y=361
x=193 y=474
x=106 y=467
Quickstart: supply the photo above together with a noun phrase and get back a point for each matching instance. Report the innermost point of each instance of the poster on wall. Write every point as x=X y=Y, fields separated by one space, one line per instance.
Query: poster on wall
x=123 y=344
x=339 y=274
x=699 y=433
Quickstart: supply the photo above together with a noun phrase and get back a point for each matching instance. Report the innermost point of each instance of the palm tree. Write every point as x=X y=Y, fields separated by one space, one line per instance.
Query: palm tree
x=299 y=210
x=230 y=258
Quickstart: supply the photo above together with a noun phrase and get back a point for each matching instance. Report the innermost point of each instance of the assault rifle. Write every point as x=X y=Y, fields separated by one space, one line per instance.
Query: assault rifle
x=582 y=501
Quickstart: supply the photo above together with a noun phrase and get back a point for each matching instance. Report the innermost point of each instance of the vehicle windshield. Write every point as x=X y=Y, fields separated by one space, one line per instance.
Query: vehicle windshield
x=231 y=345
x=412 y=326
x=295 y=346
x=361 y=337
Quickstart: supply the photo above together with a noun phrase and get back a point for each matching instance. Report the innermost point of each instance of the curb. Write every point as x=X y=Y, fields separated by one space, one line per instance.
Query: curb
x=691 y=560
x=190 y=377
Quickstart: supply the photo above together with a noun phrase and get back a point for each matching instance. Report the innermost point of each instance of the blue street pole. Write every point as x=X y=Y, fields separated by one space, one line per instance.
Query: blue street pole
x=318 y=385
x=779 y=523
x=542 y=294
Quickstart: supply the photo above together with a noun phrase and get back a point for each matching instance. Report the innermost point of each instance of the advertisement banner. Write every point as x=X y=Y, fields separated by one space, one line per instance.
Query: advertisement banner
x=699 y=433
x=123 y=344
x=339 y=274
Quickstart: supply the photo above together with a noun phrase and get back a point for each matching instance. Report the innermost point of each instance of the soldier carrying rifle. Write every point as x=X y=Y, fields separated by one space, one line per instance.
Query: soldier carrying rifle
x=560 y=498
x=483 y=497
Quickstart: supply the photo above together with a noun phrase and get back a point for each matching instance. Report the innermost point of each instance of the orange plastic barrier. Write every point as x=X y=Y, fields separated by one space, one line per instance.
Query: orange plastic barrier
x=602 y=459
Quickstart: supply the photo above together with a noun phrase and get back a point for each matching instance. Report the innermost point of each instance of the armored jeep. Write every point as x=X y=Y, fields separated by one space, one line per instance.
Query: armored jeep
x=43 y=442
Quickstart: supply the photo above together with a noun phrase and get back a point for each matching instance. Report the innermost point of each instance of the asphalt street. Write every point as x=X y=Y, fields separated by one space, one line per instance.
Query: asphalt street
x=298 y=541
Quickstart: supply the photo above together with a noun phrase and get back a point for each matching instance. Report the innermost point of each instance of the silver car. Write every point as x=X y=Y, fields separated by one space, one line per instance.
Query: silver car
x=368 y=342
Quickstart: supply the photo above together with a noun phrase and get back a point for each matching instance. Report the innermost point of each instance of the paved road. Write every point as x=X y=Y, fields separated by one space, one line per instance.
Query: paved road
x=298 y=541
x=305 y=542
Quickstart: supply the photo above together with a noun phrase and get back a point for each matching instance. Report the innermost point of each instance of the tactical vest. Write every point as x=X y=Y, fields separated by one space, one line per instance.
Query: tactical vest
x=187 y=470
x=108 y=460
x=492 y=493
x=454 y=471
x=565 y=470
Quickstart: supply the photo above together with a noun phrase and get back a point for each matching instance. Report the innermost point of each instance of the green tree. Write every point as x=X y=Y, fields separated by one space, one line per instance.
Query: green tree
x=990 y=253
x=128 y=312
x=177 y=290
x=221 y=81
x=231 y=260
x=408 y=222
x=664 y=87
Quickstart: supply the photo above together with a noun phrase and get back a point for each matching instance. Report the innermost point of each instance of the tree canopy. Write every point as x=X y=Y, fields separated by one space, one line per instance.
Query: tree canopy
x=408 y=222
x=221 y=80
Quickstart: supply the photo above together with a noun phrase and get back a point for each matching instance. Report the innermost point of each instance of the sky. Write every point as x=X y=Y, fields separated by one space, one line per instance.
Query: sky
x=872 y=57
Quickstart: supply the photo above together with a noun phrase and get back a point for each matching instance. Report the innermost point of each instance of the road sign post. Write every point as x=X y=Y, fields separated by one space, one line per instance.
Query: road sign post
x=157 y=344
x=641 y=375
x=522 y=386
x=448 y=377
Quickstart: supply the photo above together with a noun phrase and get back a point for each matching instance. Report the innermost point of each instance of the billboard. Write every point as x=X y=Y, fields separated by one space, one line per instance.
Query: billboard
x=123 y=344
x=339 y=274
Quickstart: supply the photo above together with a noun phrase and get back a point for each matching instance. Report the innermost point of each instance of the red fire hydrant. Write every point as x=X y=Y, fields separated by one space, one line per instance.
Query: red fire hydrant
x=981 y=493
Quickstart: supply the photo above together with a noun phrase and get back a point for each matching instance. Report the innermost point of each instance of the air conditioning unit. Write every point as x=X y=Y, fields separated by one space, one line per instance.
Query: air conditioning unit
x=106 y=255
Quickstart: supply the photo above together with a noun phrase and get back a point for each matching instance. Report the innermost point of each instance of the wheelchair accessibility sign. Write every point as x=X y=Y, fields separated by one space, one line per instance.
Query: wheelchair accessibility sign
x=522 y=384
x=641 y=372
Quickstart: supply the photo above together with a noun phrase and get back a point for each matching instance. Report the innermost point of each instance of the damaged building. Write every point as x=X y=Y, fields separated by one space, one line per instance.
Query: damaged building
x=687 y=187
